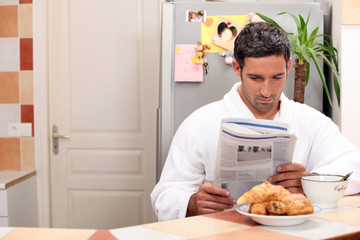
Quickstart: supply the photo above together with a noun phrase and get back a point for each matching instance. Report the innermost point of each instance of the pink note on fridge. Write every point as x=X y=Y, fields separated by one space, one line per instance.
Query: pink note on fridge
x=185 y=68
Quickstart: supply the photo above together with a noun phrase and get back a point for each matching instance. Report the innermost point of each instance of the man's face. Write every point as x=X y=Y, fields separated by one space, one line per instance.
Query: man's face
x=263 y=79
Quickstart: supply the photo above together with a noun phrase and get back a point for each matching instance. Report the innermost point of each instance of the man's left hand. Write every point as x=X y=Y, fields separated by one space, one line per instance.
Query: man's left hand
x=289 y=176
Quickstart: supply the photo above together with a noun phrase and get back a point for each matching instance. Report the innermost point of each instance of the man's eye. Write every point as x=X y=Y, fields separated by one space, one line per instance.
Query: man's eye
x=277 y=78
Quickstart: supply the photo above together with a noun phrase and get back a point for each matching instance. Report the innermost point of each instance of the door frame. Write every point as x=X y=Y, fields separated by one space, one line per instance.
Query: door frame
x=42 y=154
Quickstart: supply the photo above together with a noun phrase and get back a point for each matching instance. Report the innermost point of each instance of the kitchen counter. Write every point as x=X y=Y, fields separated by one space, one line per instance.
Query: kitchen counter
x=9 y=178
x=339 y=223
x=18 y=198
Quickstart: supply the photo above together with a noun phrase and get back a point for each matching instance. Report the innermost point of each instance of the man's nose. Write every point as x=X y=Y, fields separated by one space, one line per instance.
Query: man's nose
x=266 y=89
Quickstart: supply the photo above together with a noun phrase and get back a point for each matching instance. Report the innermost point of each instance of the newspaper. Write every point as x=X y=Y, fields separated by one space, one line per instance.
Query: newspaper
x=249 y=152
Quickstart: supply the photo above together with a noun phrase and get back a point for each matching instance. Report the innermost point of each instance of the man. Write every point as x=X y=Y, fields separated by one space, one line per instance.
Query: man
x=262 y=54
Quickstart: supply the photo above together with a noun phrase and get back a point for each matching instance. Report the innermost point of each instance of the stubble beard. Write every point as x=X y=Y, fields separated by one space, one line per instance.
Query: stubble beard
x=262 y=107
x=265 y=107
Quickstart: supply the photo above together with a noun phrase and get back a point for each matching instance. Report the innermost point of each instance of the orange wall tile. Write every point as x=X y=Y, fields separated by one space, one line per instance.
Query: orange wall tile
x=26 y=54
x=27 y=153
x=25 y=20
x=10 y=154
x=26 y=87
x=9 y=87
x=8 y=21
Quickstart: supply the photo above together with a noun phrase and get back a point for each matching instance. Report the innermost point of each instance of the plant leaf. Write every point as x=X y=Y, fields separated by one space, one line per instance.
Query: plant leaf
x=330 y=64
x=293 y=43
x=308 y=17
x=307 y=73
x=298 y=25
x=271 y=21
x=312 y=53
x=337 y=89
x=304 y=52
x=335 y=74
x=312 y=37
x=331 y=52
x=303 y=30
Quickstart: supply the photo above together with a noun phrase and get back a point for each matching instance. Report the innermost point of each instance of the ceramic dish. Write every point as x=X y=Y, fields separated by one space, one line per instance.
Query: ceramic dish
x=276 y=220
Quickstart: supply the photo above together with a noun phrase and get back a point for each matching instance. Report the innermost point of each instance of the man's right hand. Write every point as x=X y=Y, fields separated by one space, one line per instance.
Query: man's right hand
x=209 y=199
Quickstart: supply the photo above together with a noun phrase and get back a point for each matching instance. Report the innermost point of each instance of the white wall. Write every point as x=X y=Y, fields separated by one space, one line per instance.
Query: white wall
x=350 y=83
x=345 y=39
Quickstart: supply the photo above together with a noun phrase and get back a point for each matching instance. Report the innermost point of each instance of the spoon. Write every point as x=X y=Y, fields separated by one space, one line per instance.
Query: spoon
x=346 y=176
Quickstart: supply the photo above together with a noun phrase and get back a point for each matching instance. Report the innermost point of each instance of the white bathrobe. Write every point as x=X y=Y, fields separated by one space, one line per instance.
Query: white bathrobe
x=320 y=148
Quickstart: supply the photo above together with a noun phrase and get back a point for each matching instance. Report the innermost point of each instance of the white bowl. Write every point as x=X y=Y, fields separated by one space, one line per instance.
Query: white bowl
x=324 y=190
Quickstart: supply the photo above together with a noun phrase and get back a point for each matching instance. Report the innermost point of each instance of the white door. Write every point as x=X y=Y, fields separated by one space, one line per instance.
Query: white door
x=103 y=93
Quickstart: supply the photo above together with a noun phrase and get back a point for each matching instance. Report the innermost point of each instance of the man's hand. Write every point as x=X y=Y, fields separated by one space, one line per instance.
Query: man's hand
x=289 y=176
x=209 y=199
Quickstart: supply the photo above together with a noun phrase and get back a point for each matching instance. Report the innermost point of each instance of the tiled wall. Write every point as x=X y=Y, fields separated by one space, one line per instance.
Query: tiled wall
x=16 y=83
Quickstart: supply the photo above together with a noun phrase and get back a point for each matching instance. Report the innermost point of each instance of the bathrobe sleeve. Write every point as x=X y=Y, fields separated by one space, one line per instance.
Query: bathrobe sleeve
x=189 y=163
x=332 y=153
x=322 y=147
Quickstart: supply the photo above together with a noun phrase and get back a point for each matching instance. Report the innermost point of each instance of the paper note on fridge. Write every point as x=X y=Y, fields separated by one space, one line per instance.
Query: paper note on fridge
x=185 y=68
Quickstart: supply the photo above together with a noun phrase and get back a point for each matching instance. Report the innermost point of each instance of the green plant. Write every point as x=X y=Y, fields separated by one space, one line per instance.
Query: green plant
x=310 y=48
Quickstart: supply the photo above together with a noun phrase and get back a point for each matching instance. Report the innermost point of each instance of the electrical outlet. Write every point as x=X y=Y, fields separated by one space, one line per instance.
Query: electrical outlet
x=19 y=129
x=14 y=129
x=26 y=129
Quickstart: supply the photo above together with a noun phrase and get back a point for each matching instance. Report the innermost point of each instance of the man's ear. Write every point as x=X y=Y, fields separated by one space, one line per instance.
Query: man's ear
x=288 y=66
x=236 y=68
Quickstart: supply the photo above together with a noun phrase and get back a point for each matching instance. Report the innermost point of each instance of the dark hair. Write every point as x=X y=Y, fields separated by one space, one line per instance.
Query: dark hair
x=261 y=39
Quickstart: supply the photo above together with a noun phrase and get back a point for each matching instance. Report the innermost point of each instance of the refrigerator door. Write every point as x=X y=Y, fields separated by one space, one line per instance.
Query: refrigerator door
x=179 y=99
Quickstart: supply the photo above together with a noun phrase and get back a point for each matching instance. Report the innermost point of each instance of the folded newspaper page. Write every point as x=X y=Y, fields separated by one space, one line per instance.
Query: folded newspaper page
x=249 y=152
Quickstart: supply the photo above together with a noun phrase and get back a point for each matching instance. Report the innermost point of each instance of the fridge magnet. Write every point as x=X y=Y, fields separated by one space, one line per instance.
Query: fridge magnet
x=200 y=55
x=195 y=16
x=185 y=69
x=253 y=17
x=206 y=67
x=225 y=32
x=208 y=29
x=228 y=55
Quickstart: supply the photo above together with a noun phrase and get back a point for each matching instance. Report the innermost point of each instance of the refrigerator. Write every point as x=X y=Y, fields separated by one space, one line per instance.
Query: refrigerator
x=181 y=93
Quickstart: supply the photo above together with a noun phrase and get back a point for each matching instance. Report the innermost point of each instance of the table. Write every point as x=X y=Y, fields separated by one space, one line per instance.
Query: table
x=340 y=223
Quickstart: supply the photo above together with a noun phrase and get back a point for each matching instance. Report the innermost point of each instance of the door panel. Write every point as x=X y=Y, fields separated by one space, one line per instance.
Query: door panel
x=81 y=202
x=108 y=59
x=125 y=162
x=100 y=97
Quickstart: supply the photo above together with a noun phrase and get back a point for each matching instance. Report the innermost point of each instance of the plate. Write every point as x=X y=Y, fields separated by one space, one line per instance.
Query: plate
x=276 y=220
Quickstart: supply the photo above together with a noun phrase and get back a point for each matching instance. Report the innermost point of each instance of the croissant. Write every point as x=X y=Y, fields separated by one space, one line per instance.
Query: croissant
x=268 y=199
x=297 y=204
x=259 y=208
x=258 y=193
x=276 y=208
x=277 y=192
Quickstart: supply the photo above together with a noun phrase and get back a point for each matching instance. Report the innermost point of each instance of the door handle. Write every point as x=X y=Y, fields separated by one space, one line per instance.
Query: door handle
x=56 y=136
